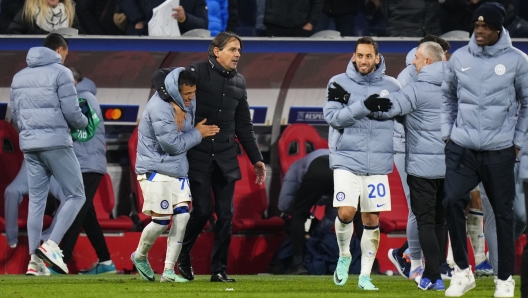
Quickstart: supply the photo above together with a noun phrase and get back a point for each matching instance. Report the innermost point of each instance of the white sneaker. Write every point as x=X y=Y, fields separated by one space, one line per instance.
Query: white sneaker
x=461 y=282
x=504 y=288
x=37 y=269
x=52 y=256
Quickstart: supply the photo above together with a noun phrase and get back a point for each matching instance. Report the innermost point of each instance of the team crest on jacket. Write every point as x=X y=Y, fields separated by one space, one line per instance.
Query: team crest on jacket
x=340 y=196
x=164 y=204
x=384 y=93
x=500 y=69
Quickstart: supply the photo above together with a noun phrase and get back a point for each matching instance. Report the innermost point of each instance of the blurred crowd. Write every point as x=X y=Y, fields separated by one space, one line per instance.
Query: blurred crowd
x=280 y=18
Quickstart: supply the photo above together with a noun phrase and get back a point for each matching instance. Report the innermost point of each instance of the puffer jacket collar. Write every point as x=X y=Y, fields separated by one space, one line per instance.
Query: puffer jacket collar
x=220 y=69
x=40 y=56
x=377 y=75
x=86 y=85
x=171 y=83
x=503 y=43
x=432 y=73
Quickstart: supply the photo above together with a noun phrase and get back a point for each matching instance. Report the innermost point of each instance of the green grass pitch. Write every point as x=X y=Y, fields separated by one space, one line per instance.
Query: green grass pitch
x=276 y=286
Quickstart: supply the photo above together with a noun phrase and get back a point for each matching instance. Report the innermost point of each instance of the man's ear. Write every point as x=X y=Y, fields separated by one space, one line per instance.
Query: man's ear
x=378 y=59
x=216 y=51
x=354 y=57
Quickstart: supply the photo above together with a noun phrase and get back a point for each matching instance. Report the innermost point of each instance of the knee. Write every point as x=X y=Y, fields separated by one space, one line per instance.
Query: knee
x=346 y=214
x=370 y=219
x=181 y=214
x=12 y=193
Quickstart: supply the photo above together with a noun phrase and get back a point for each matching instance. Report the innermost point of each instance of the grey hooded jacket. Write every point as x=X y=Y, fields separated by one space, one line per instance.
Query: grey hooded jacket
x=161 y=147
x=482 y=90
x=44 y=102
x=91 y=154
x=360 y=144
x=421 y=103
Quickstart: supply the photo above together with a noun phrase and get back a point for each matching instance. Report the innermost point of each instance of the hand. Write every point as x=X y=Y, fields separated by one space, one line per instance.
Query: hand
x=84 y=106
x=308 y=27
x=260 y=171
x=377 y=104
x=179 y=115
x=179 y=14
x=139 y=25
x=338 y=94
x=207 y=130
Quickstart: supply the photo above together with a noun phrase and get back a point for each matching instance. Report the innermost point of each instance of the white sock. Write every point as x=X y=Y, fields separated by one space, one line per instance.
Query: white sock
x=369 y=248
x=476 y=234
x=450 y=259
x=35 y=259
x=150 y=233
x=415 y=264
x=175 y=239
x=344 y=233
x=107 y=263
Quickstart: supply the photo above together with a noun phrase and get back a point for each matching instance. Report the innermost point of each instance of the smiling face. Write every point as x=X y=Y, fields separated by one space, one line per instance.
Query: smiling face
x=187 y=93
x=365 y=58
x=484 y=34
x=228 y=57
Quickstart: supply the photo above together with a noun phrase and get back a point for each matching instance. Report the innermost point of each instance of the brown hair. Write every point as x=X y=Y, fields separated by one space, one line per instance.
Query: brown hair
x=220 y=42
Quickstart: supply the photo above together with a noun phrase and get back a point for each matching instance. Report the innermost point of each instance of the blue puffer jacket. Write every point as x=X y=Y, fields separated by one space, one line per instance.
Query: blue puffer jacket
x=91 y=154
x=161 y=147
x=44 y=102
x=482 y=90
x=358 y=143
x=293 y=179
x=421 y=102
x=407 y=75
x=218 y=15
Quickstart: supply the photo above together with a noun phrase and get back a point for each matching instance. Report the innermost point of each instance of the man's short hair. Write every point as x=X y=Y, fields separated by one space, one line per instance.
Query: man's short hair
x=54 y=41
x=221 y=40
x=432 y=50
x=187 y=77
x=442 y=42
x=367 y=40
x=76 y=74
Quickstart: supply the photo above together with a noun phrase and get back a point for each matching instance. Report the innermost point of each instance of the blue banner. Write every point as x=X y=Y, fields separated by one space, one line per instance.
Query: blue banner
x=311 y=115
x=258 y=114
x=3 y=110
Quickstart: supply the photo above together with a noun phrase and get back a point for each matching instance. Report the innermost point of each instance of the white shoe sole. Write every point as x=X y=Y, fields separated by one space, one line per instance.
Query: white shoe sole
x=471 y=287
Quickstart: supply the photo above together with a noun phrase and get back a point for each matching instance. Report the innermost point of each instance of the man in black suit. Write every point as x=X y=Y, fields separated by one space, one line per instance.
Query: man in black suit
x=221 y=98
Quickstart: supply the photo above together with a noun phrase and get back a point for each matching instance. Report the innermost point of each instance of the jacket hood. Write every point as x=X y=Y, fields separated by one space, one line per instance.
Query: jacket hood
x=432 y=73
x=171 y=83
x=377 y=75
x=503 y=43
x=86 y=85
x=410 y=56
x=40 y=56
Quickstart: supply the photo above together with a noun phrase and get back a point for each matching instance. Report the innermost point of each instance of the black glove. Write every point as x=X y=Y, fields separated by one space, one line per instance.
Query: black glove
x=158 y=81
x=377 y=104
x=338 y=94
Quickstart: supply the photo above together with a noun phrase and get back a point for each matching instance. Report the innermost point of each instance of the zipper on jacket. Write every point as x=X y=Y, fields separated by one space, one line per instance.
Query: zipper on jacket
x=479 y=110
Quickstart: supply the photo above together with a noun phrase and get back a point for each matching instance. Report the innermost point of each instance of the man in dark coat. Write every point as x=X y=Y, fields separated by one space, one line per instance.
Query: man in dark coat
x=221 y=98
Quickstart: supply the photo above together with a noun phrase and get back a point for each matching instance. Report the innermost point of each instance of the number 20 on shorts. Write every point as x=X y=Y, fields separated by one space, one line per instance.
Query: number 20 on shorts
x=376 y=190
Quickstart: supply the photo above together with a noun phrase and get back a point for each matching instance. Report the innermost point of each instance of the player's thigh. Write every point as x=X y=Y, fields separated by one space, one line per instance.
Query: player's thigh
x=347 y=188
x=375 y=194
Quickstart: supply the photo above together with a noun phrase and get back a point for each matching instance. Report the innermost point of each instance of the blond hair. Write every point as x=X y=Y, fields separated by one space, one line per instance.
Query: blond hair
x=33 y=7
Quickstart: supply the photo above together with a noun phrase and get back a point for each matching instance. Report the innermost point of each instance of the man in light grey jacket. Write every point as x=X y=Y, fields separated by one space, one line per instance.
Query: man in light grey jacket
x=44 y=105
x=484 y=128
x=420 y=101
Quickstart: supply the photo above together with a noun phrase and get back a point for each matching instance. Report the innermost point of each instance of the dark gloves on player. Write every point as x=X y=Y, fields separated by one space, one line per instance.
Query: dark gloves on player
x=84 y=106
x=338 y=94
x=377 y=104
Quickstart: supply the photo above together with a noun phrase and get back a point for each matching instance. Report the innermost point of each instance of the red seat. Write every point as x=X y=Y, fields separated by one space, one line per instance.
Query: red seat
x=10 y=162
x=396 y=219
x=134 y=183
x=104 y=201
x=11 y=159
x=250 y=201
x=296 y=141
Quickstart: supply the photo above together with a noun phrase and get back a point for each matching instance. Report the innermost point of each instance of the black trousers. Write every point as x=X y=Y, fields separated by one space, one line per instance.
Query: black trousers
x=316 y=182
x=86 y=219
x=426 y=204
x=524 y=261
x=202 y=208
x=465 y=169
